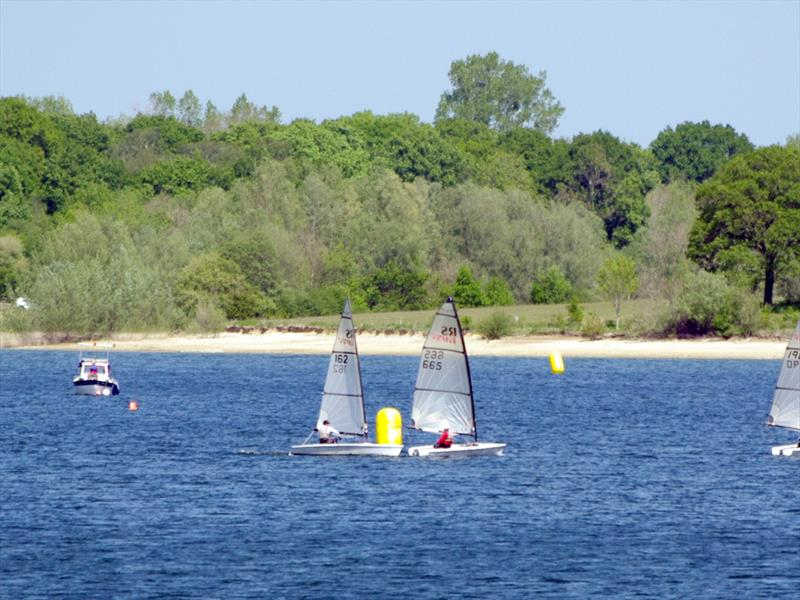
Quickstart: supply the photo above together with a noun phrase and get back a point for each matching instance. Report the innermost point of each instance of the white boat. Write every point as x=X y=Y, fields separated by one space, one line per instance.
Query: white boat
x=94 y=375
x=343 y=402
x=785 y=410
x=443 y=397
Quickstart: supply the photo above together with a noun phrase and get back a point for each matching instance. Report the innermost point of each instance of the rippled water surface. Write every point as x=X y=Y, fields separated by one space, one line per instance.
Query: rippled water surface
x=646 y=478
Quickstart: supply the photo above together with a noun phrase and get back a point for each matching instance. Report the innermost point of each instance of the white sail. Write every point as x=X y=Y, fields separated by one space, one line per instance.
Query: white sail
x=443 y=393
x=342 y=396
x=785 y=411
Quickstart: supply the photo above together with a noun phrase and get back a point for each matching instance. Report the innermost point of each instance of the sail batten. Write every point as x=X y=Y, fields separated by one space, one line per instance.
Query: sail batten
x=443 y=395
x=785 y=409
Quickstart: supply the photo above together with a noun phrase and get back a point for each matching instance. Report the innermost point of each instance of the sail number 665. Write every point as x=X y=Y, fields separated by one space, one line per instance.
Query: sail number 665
x=432 y=359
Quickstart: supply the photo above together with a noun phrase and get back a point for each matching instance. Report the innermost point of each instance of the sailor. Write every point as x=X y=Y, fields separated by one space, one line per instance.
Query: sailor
x=445 y=440
x=328 y=434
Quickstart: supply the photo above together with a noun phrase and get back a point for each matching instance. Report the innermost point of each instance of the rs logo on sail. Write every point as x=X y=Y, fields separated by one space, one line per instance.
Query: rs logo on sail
x=446 y=335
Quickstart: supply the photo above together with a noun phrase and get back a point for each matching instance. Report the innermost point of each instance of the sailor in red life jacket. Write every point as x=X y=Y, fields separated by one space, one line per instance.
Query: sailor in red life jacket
x=445 y=441
x=327 y=434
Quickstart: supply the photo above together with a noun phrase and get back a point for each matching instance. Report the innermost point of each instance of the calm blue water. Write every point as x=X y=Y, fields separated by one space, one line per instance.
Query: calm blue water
x=648 y=478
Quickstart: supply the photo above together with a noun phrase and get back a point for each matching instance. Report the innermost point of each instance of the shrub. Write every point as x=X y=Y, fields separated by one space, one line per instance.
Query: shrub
x=593 y=326
x=708 y=304
x=495 y=326
x=467 y=290
x=550 y=287
x=497 y=293
x=574 y=312
x=209 y=318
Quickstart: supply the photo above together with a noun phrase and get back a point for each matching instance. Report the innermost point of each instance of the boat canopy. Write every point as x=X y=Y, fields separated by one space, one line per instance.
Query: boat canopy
x=443 y=392
x=785 y=411
x=343 y=396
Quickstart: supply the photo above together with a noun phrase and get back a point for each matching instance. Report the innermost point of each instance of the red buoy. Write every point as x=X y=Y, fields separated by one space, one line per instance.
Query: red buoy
x=133 y=406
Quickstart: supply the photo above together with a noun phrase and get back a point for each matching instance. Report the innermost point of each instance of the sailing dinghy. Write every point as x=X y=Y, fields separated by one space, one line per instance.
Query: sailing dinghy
x=343 y=401
x=443 y=396
x=785 y=411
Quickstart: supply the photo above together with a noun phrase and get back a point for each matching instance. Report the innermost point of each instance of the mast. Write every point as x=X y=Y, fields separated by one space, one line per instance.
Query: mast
x=364 y=430
x=469 y=373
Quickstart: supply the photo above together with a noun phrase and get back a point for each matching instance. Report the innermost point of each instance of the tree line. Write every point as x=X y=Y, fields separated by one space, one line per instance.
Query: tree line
x=188 y=215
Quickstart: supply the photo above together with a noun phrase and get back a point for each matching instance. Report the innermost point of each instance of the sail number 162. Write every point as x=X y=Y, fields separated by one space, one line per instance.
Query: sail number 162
x=432 y=359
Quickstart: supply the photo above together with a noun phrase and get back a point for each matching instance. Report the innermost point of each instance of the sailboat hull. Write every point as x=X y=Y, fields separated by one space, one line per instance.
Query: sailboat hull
x=790 y=450
x=457 y=450
x=347 y=449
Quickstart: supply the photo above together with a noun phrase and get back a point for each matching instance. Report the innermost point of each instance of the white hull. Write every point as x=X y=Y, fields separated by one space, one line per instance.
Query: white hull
x=96 y=389
x=347 y=449
x=790 y=450
x=457 y=450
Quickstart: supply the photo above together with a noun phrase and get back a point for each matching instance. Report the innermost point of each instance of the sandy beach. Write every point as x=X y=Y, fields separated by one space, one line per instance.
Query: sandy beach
x=272 y=341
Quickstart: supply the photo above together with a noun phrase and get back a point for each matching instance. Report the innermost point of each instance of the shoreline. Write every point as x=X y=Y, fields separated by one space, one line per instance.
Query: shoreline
x=410 y=344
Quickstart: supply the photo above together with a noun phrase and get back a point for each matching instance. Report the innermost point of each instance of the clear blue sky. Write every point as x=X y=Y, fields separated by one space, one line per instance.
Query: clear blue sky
x=631 y=68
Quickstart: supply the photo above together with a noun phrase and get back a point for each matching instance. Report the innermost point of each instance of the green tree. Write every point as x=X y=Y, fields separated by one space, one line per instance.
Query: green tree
x=190 y=111
x=402 y=143
x=618 y=281
x=212 y=279
x=163 y=103
x=244 y=110
x=661 y=247
x=550 y=287
x=467 y=290
x=695 y=151
x=548 y=161
x=612 y=178
x=13 y=264
x=499 y=94
x=497 y=292
x=396 y=288
x=752 y=202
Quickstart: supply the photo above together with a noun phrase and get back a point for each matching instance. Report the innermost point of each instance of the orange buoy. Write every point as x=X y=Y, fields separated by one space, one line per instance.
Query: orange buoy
x=133 y=405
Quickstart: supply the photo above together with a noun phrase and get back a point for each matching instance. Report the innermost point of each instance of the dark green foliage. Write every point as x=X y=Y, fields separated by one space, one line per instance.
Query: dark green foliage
x=695 y=151
x=612 y=178
x=467 y=290
x=395 y=288
x=181 y=174
x=402 y=143
x=497 y=293
x=550 y=287
x=751 y=207
x=169 y=133
x=547 y=160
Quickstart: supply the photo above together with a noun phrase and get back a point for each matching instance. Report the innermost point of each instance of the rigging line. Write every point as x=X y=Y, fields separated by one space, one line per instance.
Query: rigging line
x=341 y=395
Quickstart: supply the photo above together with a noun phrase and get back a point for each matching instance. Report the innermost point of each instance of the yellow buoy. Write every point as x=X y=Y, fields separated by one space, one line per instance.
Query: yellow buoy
x=389 y=426
x=556 y=363
x=133 y=405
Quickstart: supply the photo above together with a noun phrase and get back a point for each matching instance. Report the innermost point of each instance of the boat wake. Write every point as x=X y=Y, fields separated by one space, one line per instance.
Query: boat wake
x=257 y=452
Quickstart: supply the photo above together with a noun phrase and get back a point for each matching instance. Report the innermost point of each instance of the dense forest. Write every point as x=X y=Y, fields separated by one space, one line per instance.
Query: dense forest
x=189 y=216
